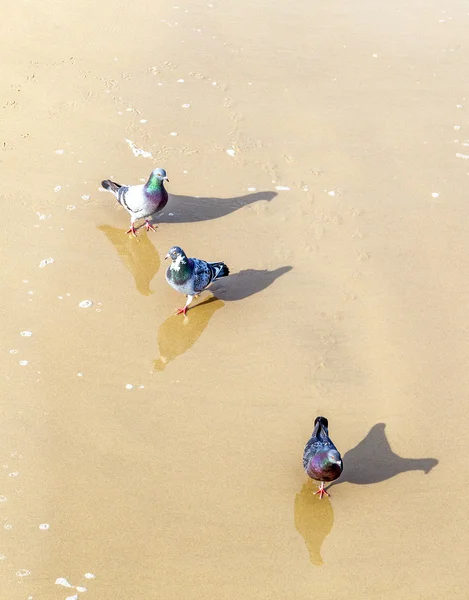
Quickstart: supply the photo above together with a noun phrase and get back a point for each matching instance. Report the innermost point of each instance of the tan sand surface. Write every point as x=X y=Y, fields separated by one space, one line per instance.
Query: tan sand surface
x=163 y=454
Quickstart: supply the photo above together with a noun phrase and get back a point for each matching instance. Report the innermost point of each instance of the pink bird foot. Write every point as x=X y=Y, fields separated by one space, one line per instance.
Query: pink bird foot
x=321 y=491
x=149 y=226
x=182 y=311
x=132 y=231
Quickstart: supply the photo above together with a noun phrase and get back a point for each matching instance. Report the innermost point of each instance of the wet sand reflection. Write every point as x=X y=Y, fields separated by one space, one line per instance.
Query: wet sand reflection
x=178 y=333
x=313 y=520
x=138 y=255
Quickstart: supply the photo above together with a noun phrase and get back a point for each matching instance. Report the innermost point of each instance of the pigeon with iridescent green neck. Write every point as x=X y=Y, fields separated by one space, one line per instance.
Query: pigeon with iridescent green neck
x=321 y=459
x=190 y=276
x=141 y=201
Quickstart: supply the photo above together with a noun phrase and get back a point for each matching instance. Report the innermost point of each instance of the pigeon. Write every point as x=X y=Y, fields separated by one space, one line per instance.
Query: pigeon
x=191 y=276
x=321 y=459
x=141 y=201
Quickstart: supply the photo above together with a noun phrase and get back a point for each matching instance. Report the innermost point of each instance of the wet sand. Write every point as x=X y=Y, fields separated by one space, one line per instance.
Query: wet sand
x=165 y=455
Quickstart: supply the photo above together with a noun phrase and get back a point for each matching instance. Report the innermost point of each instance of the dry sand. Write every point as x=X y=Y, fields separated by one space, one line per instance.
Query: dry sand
x=349 y=298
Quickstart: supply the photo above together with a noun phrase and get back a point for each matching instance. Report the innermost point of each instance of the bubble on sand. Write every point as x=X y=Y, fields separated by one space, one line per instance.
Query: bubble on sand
x=26 y=333
x=129 y=386
x=60 y=151
x=435 y=194
x=231 y=152
x=57 y=188
x=143 y=121
x=180 y=80
x=89 y=576
x=71 y=207
x=45 y=262
x=44 y=526
x=23 y=363
x=186 y=106
x=251 y=189
x=85 y=304
x=331 y=193
x=80 y=588
x=282 y=188
x=173 y=133
x=23 y=573
x=74 y=597
x=13 y=351
x=63 y=581
x=3 y=498
x=85 y=197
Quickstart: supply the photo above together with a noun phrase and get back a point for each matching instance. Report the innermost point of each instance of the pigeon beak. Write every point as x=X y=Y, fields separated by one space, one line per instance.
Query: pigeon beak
x=167 y=256
x=166 y=179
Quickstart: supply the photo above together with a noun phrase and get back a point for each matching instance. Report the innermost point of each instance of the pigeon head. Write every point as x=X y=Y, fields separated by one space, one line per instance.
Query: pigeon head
x=160 y=174
x=333 y=456
x=175 y=253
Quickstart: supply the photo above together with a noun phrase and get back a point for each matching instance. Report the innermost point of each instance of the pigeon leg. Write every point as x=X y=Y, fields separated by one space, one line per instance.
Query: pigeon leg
x=132 y=230
x=149 y=226
x=321 y=491
x=184 y=309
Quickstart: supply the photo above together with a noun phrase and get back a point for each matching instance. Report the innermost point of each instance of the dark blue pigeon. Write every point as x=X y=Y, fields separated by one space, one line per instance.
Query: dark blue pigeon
x=321 y=459
x=190 y=276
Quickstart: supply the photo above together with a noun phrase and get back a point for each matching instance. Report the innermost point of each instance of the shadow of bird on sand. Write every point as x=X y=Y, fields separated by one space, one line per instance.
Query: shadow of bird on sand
x=179 y=333
x=138 y=255
x=373 y=460
x=246 y=283
x=188 y=209
x=313 y=520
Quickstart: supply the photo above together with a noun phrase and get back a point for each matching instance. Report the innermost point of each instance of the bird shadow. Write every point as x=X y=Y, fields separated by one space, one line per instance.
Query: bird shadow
x=373 y=460
x=139 y=256
x=189 y=209
x=246 y=283
x=178 y=333
x=314 y=519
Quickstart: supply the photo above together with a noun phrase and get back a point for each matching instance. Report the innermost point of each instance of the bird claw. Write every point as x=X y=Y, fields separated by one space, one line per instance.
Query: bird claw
x=149 y=226
x=321 y=491
x=132 y=231
x=182 y=311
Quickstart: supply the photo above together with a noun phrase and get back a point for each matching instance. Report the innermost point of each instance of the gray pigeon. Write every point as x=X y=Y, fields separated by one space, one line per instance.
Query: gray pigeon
x=190 y=276
x=141 y=201
x=321 y=459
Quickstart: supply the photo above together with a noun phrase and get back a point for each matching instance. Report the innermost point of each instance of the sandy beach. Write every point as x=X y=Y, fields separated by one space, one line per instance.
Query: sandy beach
x=322 y=151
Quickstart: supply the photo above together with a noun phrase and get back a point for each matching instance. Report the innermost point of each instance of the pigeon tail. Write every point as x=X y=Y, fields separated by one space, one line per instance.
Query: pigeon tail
x=219 y=269
x=110 y=185
x=321 y=428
